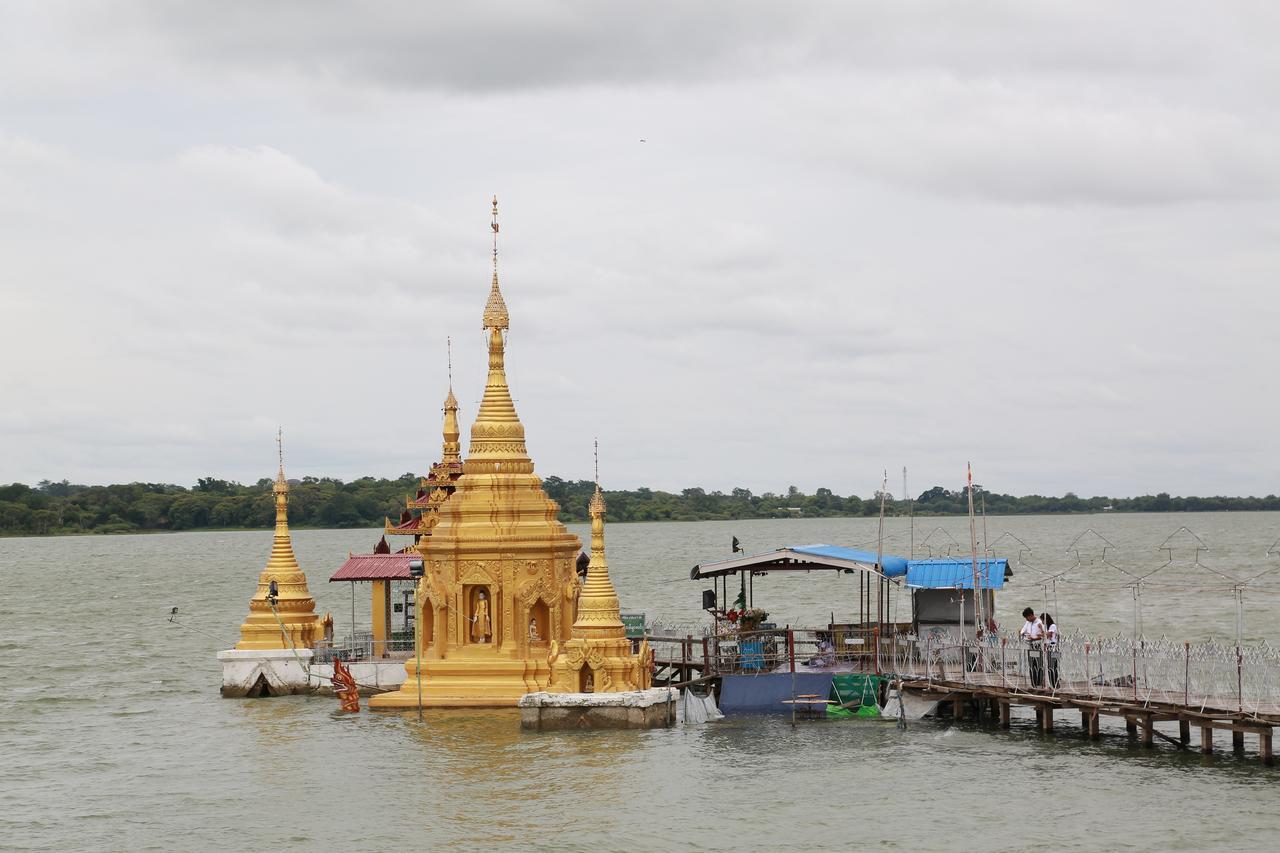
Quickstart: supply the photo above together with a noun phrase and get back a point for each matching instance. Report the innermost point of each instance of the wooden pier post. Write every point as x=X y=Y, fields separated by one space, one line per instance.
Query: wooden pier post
x=1004 y=715
x=1206 y=740
x=1184 y=732
x=1046 y=718
x=1264 y=746
x=957 y=706
x=1237 y=742
x=1148 y=731
x=1131 y=726
x=1094 y=724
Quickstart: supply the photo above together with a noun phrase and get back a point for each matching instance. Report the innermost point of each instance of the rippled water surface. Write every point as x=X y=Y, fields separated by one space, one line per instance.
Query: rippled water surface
x=114 y=736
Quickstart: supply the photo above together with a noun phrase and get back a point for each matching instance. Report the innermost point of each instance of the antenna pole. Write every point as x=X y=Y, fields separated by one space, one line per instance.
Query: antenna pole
x=973 y=551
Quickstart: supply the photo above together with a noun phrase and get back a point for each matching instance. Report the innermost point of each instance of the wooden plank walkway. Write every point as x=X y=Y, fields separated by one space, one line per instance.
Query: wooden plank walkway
x=985 y=693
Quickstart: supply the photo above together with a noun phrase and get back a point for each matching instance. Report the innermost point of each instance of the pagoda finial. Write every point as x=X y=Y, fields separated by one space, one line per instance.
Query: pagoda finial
x=597 y=505
x=495 y=310
x=452 y=450
x=281 y=485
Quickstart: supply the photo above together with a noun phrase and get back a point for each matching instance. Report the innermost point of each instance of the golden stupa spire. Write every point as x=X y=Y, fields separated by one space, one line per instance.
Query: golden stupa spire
x=497 y=436
x=495 y=310
x=598 y=615
x=294 y=605
x=452 y=451
x=282 y=559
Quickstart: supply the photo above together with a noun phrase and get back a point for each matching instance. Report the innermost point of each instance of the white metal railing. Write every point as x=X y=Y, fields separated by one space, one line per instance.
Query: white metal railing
x=1206 y=676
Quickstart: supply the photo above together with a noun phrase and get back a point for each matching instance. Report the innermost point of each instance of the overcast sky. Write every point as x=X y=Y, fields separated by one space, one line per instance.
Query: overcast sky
x=744 y=244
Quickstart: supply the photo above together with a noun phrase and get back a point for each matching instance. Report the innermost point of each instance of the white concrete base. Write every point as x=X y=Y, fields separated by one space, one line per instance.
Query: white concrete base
x=639 y=709
x=265 y=672
x=374 y=676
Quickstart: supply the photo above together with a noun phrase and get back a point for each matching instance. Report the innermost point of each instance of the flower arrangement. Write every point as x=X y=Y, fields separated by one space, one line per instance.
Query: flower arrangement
x=750 y=619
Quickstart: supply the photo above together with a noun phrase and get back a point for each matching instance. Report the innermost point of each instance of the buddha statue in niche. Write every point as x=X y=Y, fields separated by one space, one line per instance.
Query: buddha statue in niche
x=481 y=626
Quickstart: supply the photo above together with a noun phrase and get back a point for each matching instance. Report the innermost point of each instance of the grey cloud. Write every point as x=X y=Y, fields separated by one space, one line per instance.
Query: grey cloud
x=491 y=46
x=857 y=236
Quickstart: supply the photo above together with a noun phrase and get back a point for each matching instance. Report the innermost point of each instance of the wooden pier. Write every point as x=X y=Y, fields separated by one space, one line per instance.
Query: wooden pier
x=1145 y=684
x=985 y=695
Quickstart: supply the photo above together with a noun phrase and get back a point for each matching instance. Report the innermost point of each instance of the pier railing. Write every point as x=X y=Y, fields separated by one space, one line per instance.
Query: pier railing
x=362 y=646
x=1212 y=678
x=1208 y=677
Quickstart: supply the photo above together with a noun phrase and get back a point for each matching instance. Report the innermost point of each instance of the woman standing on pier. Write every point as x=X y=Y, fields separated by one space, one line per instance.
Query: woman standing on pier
x=1051 y=637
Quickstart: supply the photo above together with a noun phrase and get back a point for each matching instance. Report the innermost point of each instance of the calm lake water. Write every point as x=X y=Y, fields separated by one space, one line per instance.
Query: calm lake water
x=114 y=736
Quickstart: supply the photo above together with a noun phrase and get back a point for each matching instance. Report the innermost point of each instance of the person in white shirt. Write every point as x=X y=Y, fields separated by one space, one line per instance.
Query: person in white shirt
x=1032 y=632
x=1051 y=637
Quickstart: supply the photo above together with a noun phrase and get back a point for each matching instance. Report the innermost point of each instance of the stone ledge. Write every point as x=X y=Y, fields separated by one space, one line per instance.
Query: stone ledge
x=628 y=699
x=266 y=654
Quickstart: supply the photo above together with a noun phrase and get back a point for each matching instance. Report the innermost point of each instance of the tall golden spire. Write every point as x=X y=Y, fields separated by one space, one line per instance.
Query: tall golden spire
x=294 y=604
x=452 y=451
x=282 y=559
x=598 y=615
x=495 y=310
x=497 y=436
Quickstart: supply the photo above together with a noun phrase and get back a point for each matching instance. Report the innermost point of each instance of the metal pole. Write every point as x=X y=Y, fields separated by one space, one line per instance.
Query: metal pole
x=353 y=616
x=1186 y=674
x=417 y=603
x=1239 y=652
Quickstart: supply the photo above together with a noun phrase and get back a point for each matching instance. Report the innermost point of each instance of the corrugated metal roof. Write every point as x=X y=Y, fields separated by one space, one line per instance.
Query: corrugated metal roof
x=956 y=573
x=892 y=566
x=374 y=567
x=802 y=558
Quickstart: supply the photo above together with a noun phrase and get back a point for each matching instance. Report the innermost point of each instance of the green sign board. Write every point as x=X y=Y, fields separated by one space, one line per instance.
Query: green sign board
x=634 y=623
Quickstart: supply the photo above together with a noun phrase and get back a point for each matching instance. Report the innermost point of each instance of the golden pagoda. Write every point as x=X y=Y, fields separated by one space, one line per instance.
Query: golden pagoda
x=419 y=514
x=500 y=580
x=382 y=567
x=296 y=625
x=598 y=657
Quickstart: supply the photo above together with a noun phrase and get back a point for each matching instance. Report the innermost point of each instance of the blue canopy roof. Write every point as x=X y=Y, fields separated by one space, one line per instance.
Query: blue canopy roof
x=804 y=558
x=891 y=566
x=956 y=573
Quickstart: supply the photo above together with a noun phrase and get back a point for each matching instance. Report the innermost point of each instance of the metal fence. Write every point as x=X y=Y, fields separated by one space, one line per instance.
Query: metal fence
x=362 y=646
x=1210 y=677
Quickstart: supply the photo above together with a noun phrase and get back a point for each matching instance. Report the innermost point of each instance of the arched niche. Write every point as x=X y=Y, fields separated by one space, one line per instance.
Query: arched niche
x=473 y=595
x=539 y=615
x=428 y=616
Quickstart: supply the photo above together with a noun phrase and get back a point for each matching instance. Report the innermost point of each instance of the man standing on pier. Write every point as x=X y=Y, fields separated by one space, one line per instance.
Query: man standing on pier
x=1032 y=632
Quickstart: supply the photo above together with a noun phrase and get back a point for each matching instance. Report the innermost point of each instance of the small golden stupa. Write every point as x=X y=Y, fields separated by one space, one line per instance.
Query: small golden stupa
x=500 y=580
x=419 y=514
x=294 y=604
x=598 y=657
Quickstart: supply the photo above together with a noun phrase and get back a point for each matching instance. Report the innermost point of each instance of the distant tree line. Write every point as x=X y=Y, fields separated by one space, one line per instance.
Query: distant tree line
x=59 y=508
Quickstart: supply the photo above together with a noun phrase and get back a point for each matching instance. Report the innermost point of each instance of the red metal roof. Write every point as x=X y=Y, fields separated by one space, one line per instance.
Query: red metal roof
x=374 y=567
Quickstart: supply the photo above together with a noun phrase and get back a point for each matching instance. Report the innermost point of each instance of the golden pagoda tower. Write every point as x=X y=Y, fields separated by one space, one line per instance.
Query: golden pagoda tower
x=500 y=579
x=436 y=487
x=294 y=604
x=598 y=656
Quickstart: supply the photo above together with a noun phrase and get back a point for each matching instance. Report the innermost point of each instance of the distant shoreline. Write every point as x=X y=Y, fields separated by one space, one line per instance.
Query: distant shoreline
x=9 y=534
